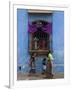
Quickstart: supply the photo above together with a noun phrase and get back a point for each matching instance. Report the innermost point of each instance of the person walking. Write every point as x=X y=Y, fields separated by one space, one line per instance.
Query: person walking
x=49 y=65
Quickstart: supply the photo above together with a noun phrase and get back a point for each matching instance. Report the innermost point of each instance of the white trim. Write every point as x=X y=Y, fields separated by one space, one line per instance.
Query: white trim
x=39 y=11
x=11 y=46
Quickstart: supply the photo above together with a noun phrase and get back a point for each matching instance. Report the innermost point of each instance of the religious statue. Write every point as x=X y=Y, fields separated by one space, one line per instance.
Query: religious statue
x=35 y=43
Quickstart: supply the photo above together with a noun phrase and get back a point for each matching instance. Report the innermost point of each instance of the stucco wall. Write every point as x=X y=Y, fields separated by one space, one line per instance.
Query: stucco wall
x=22 y=39
x=58 y=40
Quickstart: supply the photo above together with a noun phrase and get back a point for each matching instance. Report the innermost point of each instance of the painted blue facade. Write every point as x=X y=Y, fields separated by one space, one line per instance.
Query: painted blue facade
x=40 y=16
x=58 y=40
x=22 y=41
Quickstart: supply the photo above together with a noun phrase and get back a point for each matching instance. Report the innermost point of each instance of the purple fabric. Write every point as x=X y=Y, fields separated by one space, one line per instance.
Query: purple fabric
x=46 y=28
x=32 y=28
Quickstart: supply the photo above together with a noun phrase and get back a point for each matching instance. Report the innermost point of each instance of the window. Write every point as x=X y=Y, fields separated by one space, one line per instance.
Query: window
x=39 y=38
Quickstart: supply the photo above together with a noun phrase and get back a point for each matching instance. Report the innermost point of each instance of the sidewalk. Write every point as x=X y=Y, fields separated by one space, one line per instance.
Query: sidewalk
x=22 y=76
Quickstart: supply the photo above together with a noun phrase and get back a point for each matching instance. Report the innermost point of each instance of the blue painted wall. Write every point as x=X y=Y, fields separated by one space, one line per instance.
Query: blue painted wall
x=22 y=39
x=58 y=39
x=40 y=16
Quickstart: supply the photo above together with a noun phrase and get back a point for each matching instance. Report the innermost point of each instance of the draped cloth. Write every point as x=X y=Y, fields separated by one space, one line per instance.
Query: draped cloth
x=45 y=28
